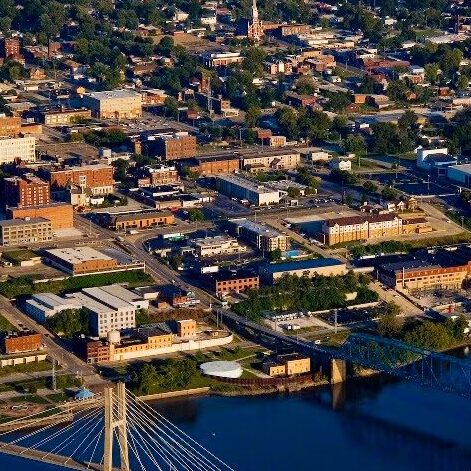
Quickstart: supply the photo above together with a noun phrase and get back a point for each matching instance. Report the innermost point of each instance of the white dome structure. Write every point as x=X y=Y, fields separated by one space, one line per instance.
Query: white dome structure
x=222 y=369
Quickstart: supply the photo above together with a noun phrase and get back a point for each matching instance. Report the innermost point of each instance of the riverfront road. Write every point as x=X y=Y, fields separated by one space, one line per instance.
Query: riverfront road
x=55 y=348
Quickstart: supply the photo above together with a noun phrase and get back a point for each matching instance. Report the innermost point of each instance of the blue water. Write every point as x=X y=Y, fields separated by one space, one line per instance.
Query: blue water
x=375 y=425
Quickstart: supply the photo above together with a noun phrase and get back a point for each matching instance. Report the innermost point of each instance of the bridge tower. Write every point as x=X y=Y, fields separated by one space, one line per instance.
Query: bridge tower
x=115 y=418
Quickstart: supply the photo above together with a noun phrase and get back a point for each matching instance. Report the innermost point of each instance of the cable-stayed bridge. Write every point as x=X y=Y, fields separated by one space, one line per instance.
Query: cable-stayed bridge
x=115 y=431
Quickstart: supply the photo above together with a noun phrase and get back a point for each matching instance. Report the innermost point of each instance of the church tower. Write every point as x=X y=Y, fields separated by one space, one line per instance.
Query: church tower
x=255 y=29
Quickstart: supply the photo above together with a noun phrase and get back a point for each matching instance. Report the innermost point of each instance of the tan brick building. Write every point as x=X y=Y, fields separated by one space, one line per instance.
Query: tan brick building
x=25 y=231
x=61 y=215
x=213 y=165
x=98 y=178
x=25 y=191
x=225 y=282
x=10 y=126
x=186 y=328
x=287 y=365
x=63 y=116
x=115 y=104
x=137 y=220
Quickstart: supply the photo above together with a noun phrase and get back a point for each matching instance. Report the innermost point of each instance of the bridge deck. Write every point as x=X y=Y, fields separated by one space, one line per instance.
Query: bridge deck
x=45 y=457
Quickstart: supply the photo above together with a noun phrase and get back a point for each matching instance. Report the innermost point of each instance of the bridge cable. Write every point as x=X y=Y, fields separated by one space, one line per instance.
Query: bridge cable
x=168 y=424
x=146 y=423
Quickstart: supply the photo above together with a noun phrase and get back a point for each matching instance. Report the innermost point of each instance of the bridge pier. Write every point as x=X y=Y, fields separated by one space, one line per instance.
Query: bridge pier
x=338 y=371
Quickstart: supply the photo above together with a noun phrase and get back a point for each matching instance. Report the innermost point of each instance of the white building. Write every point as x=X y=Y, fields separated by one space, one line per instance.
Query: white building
x=45 y=305
x=460 y=174
x=114 y=104
x=248 y=190
x=434 y=159
x=341 y=164
x=218 y=245
x=18 y=148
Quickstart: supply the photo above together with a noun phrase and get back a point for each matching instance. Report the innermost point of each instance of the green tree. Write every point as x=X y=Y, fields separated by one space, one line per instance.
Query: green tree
x=275 y=255
x=355 y=143
x=196 y=214
x=252 y=115
x=171 y=107
x=388 y=324
x=370 y=187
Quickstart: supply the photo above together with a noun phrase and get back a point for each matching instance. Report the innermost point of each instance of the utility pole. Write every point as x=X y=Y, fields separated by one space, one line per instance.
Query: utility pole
x=115 y=418
x=335 y=320
x=54 y=378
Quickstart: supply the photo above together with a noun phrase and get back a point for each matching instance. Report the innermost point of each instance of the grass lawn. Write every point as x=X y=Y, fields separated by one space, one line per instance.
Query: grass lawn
x=30 y=398
x=5 y=325
x=27 y=368
x=20 y=255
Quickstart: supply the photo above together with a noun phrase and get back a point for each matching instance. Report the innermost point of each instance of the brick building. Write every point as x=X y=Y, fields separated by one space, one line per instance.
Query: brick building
x=55 y=117
x=162 y=175
x=213 y=165
x=25 y=231
x=369 y=226
x=10 y=126
x=287 y=365
x=224 y=282
x=20 y=342
x=136 y=220
x=116 y=104
x=98 y=178
x=25 y=191
x=61 y=215
x=11 y=48
x=172 y=146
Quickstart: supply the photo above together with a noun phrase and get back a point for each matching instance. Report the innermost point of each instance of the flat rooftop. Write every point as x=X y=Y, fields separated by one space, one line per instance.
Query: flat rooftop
x=78 y=254
x=302 y=265
x=256 y=227
x=22 y=222
x=114 y=94
x=247 y=184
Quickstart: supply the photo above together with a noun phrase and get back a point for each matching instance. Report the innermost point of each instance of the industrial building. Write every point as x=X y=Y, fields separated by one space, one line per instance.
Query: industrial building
x=311 y=267
x=272 y=159
x=45 y=305
x=260 y=236
x=115 y=104
x=61 y=215
x=224 y=282
x=25 y=231
x=171 y=145
x=461 y=174
x=18 y=148
x=79 y=261
x=243 y=189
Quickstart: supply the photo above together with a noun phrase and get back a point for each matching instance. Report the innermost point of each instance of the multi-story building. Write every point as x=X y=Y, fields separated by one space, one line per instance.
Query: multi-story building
x=218 y=245
x=361 y=227
x=277 y=159
x=115 y=104
x=10 y=126
x=186 y=328
x=106 y=312
x=262 y=237
x=172 y=146
x=60 y=116
x=287 y=365
x=25 y=231
x=224 y=282
x=162 y=174
x=136 y=220
x=43 y=306
x=97 y=178
x=61 y=215
x=25 y=191
x=246 y=190
x=18 y=148
x=11 y=48
x=21 y=342
x=212 y=164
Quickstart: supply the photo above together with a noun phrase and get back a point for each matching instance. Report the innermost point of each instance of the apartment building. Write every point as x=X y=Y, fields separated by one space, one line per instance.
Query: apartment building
x=61 y=215
x=20 y=342
x=162 y=174
x=18 y=148
x=10 y=126
x=115 y=104
x=260 y=236
x=241 y=188
x=218 y=245
x=25 y=231
x=11 y=48
x=25 y=191
x=221 y=59
x=136 y=220
x=172 y=146
x=361 y=227
x=96 y=178
x=275 y=159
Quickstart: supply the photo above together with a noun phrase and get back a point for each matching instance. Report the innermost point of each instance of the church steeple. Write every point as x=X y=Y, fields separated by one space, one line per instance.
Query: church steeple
x=255 y=29
x=254 y=12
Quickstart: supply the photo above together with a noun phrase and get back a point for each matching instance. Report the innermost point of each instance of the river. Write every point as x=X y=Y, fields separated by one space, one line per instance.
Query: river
x=369 y=424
